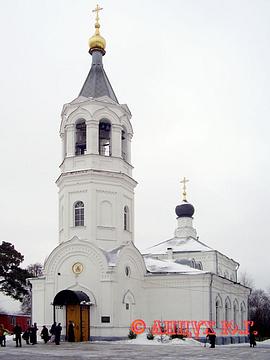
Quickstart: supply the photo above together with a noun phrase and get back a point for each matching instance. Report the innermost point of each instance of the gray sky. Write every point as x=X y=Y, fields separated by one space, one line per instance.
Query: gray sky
x=195 y=75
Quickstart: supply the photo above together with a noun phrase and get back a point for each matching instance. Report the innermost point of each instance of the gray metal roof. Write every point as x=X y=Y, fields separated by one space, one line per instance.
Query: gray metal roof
x=97 y=83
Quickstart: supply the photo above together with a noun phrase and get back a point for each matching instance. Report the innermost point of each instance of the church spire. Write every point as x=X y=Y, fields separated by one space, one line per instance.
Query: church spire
x=97 y=83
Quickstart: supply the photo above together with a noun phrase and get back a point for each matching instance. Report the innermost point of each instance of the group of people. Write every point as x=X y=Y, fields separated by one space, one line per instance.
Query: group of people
x=211 y=335
x=55 y=332
x=30 y=334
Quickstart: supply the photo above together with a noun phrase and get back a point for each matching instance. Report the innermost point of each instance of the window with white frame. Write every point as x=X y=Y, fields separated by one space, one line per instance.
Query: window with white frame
x=79 y=213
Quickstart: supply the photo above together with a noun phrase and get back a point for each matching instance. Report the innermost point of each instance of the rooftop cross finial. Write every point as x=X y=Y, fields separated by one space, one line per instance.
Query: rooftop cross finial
x=96 y=10
x=184 y=181
x=97 y=41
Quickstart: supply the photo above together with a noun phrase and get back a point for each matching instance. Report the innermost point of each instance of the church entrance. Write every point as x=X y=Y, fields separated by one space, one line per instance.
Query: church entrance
x=77 y=305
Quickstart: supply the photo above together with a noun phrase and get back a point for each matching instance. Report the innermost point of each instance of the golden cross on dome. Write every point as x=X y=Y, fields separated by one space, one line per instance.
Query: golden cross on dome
x=96 y=10
x=184 y=181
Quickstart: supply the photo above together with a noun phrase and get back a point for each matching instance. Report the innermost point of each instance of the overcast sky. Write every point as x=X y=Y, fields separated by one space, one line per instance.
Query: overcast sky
x=195 y=75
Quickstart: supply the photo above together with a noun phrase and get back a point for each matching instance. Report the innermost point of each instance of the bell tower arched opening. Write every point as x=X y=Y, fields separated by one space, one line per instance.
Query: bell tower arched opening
x=104 y=139
x=124 y=144
x=80 y=134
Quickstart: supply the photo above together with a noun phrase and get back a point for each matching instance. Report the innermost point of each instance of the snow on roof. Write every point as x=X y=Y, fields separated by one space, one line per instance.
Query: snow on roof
x=165 y=266
x=112 y=255
x=177 y=244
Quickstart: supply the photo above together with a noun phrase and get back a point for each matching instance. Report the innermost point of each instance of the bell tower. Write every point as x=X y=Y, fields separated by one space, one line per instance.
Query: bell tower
x=96 y=188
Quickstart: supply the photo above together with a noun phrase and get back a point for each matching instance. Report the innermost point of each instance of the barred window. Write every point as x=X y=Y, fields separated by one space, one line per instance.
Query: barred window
x=79 y=213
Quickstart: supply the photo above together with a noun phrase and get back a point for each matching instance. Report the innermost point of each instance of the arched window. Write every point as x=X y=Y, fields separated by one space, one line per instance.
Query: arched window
x=199 y=265
x=235 y=311
x=126 y=218
x=218 y=311
x=124 y=144
x=80 y=143
x=227 y=309
x=79 y=213
x=105 y=138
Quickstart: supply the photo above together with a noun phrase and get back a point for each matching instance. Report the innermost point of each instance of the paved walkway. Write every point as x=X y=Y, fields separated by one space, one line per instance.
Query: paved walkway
x=116 y=351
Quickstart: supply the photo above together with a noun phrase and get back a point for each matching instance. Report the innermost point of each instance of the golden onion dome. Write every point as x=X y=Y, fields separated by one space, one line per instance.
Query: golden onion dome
x=97 y=41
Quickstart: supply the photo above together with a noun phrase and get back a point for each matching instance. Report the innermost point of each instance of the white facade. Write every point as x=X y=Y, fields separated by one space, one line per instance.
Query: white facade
x=180 y=279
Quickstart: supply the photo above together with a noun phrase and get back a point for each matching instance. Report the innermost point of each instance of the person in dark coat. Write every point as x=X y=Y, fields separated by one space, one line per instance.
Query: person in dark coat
x=52 y=329
x=58 y=330
x=26 y=335
x=45 y=334
x=71 y=335
x=212 y=337
x=252 y=339
x=17 y=331
x=52 y=332
x=33 y=334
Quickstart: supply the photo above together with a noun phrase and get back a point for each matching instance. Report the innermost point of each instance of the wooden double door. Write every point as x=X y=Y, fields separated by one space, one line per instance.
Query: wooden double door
x=79 y=315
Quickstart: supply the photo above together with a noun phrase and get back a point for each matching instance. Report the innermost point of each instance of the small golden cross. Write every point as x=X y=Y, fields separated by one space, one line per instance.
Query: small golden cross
x=184 y=181
x=96 y=10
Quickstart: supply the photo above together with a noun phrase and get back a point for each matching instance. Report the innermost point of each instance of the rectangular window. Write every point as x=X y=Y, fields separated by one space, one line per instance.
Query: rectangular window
x=79 y=213
x=127 y=306
x=79 y=217
x=105 y=319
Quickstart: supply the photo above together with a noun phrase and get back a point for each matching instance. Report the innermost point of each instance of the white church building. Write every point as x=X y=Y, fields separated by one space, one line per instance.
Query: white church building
x=96 y=277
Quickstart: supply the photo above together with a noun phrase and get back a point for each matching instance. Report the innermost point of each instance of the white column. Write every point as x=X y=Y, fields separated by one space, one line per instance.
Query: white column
x=70 y=140
x=92 y=135
x=63 y=139
x=116 y=138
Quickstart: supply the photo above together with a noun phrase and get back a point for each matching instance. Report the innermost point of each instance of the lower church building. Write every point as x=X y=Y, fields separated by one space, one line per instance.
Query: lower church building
x=96 y=277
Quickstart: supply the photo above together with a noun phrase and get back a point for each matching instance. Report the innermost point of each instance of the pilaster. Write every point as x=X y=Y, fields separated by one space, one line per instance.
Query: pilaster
x=116 y=140
x=92 y=136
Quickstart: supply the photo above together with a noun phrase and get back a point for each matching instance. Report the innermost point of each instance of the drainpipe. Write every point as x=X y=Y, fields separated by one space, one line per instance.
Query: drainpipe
x=248 y=308
x=54 y=313
x=210 y=299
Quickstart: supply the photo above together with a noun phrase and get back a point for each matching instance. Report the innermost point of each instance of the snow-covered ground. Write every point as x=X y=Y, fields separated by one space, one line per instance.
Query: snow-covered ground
x=160 y=340
x=139 y=348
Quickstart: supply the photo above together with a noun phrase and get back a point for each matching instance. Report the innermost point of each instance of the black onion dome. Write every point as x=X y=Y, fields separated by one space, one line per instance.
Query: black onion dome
x=184 y=210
